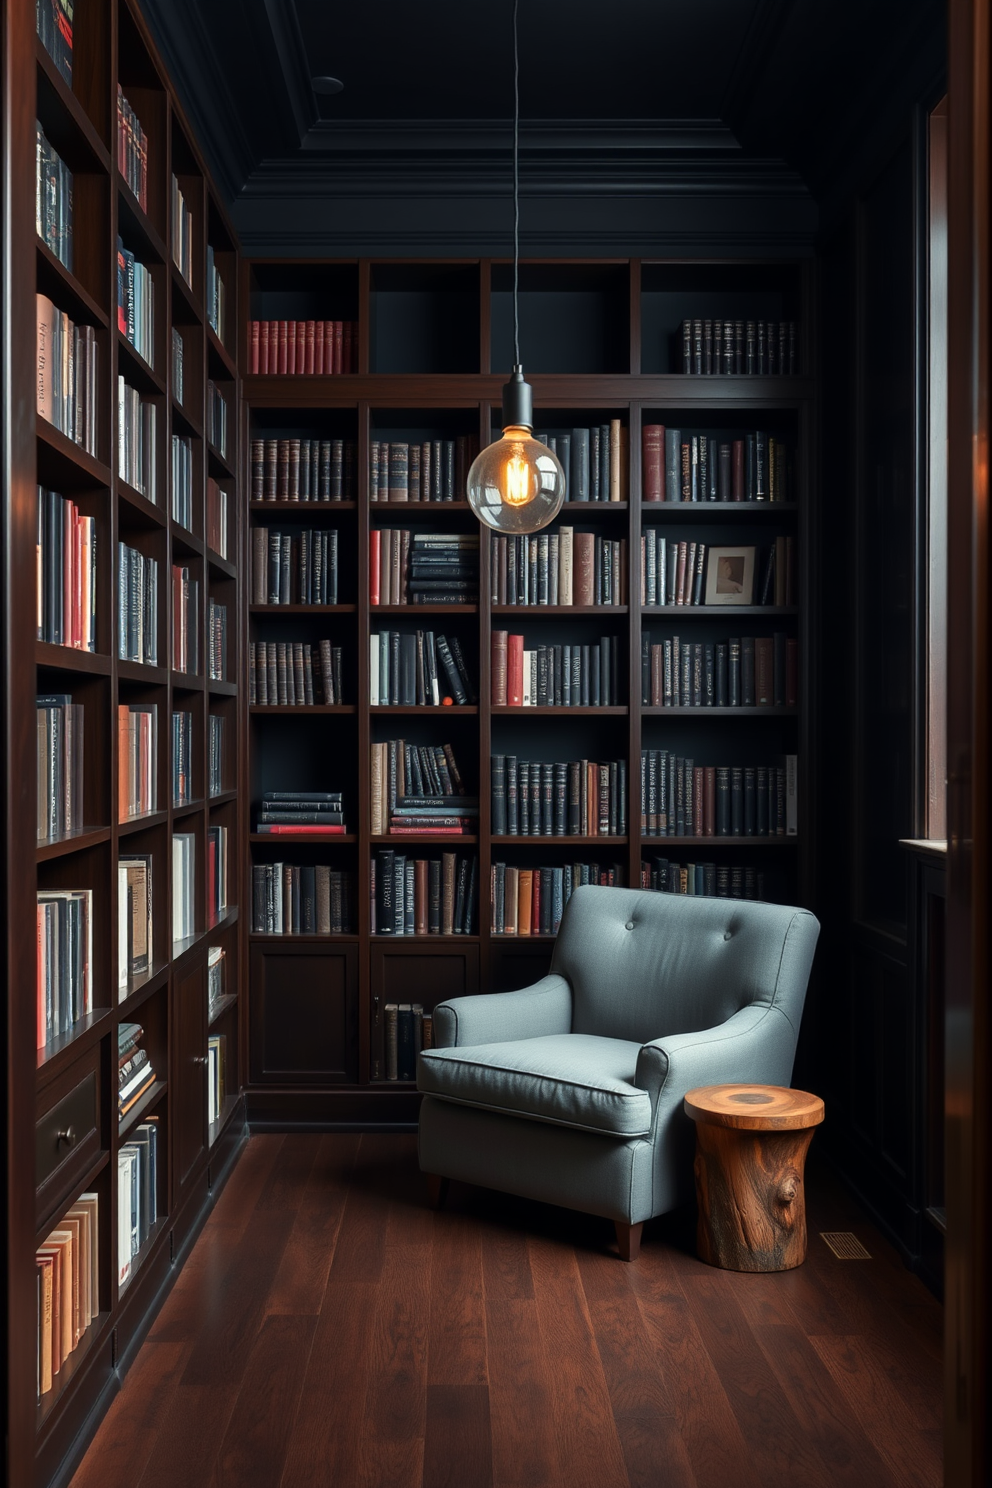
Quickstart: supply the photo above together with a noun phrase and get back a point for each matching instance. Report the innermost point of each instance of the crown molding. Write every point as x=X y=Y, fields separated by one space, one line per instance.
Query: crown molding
x=615 y=138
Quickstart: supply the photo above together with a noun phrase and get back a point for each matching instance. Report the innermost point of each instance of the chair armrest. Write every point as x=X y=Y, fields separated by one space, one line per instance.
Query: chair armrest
x=496 y=1017
x=757 y=1045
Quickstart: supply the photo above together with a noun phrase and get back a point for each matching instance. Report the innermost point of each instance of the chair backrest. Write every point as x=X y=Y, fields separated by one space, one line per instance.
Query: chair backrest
x=643 y=965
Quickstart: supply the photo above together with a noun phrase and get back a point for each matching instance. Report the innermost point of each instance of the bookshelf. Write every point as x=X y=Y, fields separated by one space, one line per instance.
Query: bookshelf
x=141 y=198
x=602 y=342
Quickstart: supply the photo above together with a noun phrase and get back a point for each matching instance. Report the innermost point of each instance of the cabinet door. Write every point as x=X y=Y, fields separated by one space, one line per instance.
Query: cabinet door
x=412 y=970
x=304 y=1020
x=189 y=1089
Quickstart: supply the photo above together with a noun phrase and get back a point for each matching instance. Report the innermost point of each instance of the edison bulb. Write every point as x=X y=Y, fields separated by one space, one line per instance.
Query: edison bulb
x=516 y=484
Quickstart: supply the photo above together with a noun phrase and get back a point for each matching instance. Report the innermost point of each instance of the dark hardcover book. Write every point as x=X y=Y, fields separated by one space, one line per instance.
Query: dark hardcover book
x=736 y=801
x=747 y=672
x=750 y=803
x=406 y=1057
x=734 y=672
x=723 y=813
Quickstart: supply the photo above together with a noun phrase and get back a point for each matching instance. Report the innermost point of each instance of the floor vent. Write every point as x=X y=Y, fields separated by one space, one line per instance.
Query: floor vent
x=846 y=1247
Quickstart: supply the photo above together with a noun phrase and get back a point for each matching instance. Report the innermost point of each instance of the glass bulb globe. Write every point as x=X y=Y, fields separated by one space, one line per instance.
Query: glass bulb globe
x=516 y=484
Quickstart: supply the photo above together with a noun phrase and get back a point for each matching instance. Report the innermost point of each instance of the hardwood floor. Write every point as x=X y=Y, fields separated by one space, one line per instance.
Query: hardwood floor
x=330 y=1330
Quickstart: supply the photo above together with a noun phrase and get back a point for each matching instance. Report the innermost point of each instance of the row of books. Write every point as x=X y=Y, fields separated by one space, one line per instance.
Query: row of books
x=185 y=620
x=137 y=1196
x=216 y=1076
x=182 y=481
x=216 y=962
x=216 y=296
x=53 y=199
x=403 y=774
x=66 y=569
x=132 y=150
x=594 y=461
x=216 y=640
x=65 y=960
x=294 y=674
x=182 y=757
x=288 y=899
x=740 y=348
x=434 y=470
x=742 y=672
x=60 y=766
x=217 y=418
x=183 y=885
x=560 y=798
x=135 y=939
x=181 y=221
x=67 y=1269
x=418 y=668
x=680 y=798
x=135 y=304
x=66 y=385
x=290 y=813
x=137 y=758
x=303 y=469
x=215 y=755
x=566 y=676
x=177 y=365
x=218 y=863
x=706 y=880
x=294 y=567
x=217 y=517
x=558 y=567
x=679 y=467
x=302 y=348
x=698 y=573
x=137 y=440
x=408 y=567
x=54 y=22
x=406 y=1029
x=423 y=896
x=531 y=901
x=137 y=606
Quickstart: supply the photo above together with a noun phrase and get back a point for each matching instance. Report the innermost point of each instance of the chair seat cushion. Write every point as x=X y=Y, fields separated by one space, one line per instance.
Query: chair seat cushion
x=570 y=1079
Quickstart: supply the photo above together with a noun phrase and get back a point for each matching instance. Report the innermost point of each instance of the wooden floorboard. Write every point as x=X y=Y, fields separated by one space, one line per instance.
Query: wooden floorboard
x=329 y=1328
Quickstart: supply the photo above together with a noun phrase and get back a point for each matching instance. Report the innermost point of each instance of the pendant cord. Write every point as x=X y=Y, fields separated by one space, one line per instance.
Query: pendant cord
x=516 y=186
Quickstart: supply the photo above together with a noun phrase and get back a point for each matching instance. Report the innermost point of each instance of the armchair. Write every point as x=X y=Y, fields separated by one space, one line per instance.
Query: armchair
x=571 y=1090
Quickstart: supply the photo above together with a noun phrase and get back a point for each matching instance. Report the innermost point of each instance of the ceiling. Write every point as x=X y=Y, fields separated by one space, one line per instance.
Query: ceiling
x=612 y=91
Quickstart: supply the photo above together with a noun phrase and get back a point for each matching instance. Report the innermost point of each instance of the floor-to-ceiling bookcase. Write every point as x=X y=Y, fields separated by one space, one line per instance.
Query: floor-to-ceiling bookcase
x=602 y=341
x=149 y=196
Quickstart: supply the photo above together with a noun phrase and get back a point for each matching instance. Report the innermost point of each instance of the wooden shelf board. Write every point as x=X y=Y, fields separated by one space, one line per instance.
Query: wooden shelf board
x=188 y=808
x=303 y=507
x=221 y=797
x=191 y=301
x=139 y=233
x=301 y=609
x=562 y=841
x=710 y=612
x=138 y=504
x=66 y=1047
x=771 y=710
x=306 y=837
x=61 y=847
x=215 y=1128
x=538 y=610
x=464 y=710
x=186 y=681
x=444 y=940
x=73 y=110
x=720 y=841
x=220 y=688
x=77 y=464
x=419 y=508
x=594 y=508
x=468 y=839
x=135 y=370
x=222 y=1006
x=71 y=659
x=339 y=937
x=157 y=1230
x=182 y=417
x=142 y=671
x=277 y=708
x=184 y=542
x=78 y=303
x=72 y=1366
x=220 y=463
x=139 y=823
x=220 y=564
x=411 y=610
x=692 y=509
x=156 y=1091
x=216 y=345
x=141 y=988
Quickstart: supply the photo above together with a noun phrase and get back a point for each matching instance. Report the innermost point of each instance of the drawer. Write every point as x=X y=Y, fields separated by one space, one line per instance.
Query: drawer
x=67 y=1133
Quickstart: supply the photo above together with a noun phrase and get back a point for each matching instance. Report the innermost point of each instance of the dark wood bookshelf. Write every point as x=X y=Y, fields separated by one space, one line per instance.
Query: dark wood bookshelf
x=169 y=1000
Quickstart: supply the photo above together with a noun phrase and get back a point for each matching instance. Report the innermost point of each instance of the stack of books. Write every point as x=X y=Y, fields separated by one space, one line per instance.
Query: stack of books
x=682 y=799
x=135 y=1073
x=289 y=813
x=132 y=152
x=137 y=758
x=563 y=798
x=560 y=567
x=740 y=348
x=531 y=901
x=679 y=466
x=423 y=568
x=406 y=1030
x=416 y=774
x=294 y=567
x=135 y=304
x=65 y=960
x=68 y=1268
x=53 y=215
x=137 y=435
x=594 y=460
x=706 y=880
x=567 y=676
x=66 y=382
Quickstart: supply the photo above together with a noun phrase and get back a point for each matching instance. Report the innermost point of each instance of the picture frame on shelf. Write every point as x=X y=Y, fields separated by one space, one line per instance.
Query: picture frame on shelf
x=730 y=576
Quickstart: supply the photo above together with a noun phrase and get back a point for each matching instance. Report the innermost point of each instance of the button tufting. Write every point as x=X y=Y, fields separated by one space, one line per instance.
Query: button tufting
x=727 y=934
x=629 y=925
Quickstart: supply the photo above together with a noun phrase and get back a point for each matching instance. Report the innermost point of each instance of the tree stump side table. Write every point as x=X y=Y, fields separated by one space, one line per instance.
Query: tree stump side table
x=751 y=1145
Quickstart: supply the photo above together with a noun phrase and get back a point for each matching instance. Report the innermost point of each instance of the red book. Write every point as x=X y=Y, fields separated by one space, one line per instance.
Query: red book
x=431 y=832
x=285 y=829
x=515 y=671
x=263 y=347
x=535 y=910
x=291 y=344
x=283 y=349
x=318 y=348
x=301 y=347
x=348 y=346
x=254 y=347
x=374 y=561
x=328 y=346
x=337 y=345
x=653 y=462
x=308 y=359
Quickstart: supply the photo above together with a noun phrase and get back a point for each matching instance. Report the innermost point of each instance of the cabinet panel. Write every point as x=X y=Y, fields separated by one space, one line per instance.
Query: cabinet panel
x=67 y=1132
x=513 y=966
x=189 y=1075
x=303 y=1014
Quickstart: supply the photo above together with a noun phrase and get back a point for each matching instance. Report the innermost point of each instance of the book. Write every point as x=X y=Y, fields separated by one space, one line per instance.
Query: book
x=135 y=938
x=569 y=568
x=404 y=899
x=67 y=361
x=60 y=728
x=53 y=199
x=64 y=960
x=137 y=759
x=561 y=798
x=281 y=348
x=740 y=348
x=558 y=676
x=132 y=154
x=278 y=900
x=137 y=440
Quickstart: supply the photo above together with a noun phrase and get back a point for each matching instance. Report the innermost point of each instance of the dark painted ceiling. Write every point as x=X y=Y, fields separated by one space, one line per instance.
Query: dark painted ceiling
x=786 y=92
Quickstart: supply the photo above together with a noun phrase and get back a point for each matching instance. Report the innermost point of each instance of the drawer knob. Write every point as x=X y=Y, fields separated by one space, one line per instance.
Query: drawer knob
x=68 y=1137
x=199 y=1058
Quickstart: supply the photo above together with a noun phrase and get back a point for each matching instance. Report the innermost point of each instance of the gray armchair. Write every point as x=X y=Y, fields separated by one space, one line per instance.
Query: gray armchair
x=571 y=1090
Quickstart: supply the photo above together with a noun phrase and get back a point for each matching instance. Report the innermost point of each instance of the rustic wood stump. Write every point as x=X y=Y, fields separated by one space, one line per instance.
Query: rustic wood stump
x=751 y=1145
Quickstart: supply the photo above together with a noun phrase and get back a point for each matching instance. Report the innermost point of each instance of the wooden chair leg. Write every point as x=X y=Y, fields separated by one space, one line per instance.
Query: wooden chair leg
x=629 y=1239
x=437 y=1190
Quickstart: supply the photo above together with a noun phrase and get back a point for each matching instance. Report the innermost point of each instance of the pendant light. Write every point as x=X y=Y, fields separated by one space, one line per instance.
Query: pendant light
x=516 y=484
